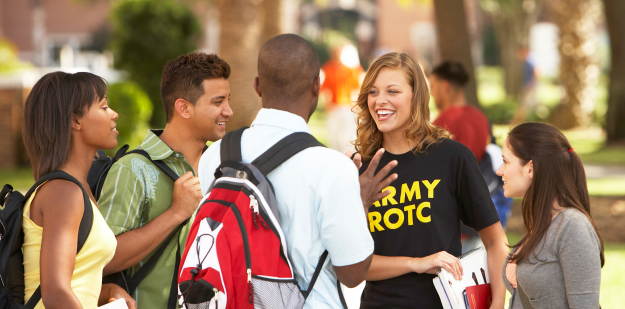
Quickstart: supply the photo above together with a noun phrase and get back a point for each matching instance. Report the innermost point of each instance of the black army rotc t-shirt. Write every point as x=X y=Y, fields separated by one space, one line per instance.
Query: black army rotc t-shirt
x=433 y=193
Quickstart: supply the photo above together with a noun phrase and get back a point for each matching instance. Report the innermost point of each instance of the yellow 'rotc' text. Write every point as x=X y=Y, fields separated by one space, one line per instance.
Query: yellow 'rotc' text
x=408 y=193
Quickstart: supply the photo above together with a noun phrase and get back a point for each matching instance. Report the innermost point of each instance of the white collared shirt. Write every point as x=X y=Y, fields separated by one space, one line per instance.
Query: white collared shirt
x=318 y=197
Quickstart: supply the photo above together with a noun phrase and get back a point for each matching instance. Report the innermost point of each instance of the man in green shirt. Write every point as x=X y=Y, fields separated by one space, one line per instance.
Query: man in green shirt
x=140 y=203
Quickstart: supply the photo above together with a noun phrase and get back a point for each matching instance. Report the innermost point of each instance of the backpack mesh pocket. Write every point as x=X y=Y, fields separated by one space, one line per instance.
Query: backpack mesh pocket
x=276 y=294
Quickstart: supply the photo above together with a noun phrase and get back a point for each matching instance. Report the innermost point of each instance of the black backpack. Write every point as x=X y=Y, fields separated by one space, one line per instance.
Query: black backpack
x=12 y=238
x=96 y=177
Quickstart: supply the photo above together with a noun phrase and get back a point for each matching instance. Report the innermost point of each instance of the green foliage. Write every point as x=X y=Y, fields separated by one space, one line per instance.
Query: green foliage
x=499 y=113
x=134 y=108
x=147 y=33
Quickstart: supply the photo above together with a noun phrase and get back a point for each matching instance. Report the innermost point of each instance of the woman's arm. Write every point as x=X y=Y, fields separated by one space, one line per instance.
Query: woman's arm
x=59 y=204
x=578 y=252
x=496 y=244
x=386 y=267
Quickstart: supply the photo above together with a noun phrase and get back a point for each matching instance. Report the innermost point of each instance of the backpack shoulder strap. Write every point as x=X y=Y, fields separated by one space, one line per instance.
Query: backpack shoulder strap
x=231 y=146
x=283 y=150
x=85 y=223
x=158 y=163
x=87 y=218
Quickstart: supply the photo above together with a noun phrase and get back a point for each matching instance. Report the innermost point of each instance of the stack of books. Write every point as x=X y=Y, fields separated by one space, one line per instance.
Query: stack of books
x=473 y=291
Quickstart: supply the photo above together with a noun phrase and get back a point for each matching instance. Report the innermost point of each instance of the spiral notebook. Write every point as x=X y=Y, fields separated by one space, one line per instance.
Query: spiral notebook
x=473 y=291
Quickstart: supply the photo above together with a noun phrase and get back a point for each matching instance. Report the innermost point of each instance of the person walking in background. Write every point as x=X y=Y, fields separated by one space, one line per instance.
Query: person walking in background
x=316 y=190
x=466 y=123
x=471 y=127
x=339 y=86
x=140 y=203
x=66 y=119
x=436 y=185
x=557 y=263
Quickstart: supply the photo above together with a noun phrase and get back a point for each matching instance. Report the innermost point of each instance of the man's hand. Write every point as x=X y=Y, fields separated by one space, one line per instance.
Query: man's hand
x=111 y=292
x=371 y=184
x=186 y=197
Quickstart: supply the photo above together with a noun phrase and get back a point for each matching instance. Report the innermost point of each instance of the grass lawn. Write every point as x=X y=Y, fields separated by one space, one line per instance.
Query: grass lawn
x=612 y=279
x=20 y=178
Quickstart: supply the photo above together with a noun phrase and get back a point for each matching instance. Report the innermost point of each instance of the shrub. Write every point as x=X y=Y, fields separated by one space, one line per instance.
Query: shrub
x=134 y=108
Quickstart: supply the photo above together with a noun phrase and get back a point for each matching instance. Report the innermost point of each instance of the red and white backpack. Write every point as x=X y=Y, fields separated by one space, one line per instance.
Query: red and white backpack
x=235 y=255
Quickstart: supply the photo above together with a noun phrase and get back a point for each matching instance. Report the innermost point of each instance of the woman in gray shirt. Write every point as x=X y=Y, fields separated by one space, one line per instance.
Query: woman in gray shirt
x=557 y=263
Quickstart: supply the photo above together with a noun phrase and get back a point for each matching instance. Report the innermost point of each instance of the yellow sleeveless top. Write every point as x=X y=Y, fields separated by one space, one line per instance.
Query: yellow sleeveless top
x=97 y=251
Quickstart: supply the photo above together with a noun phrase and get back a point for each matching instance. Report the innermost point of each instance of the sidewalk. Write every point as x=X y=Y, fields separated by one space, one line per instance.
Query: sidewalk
x=604 y=171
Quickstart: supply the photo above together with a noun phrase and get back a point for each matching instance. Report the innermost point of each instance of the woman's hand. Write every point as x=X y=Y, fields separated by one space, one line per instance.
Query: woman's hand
x=112 y=292
x=432 y=264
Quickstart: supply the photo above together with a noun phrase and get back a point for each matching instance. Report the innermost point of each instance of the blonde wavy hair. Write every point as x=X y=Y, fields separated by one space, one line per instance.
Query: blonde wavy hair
x=420 y=132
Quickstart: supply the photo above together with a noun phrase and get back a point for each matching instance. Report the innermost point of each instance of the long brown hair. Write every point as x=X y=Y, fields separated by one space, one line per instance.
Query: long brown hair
x=48 y=112
x=421 y=132
x=559 y=176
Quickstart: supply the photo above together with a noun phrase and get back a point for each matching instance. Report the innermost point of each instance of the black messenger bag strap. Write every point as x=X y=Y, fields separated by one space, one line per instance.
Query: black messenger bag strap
x=283 y=150
x=85 y=223
x=316 y=274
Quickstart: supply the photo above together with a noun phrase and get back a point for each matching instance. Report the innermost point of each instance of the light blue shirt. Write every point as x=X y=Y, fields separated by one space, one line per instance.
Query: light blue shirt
x=318 y=197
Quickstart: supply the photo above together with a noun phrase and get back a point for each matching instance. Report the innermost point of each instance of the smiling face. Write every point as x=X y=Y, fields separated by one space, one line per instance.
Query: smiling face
x=212 y=109
x=98 y=127
x=517 y=177
x=390 y=101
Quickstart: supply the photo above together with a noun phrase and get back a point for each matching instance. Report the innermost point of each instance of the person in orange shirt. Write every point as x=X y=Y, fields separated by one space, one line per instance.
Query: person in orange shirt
x=339 y=85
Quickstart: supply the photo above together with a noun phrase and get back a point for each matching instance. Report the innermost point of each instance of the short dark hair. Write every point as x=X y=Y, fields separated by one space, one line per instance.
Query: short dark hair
x=184 y=76
x=287 y=66
x=452 y=72
x=48 y=111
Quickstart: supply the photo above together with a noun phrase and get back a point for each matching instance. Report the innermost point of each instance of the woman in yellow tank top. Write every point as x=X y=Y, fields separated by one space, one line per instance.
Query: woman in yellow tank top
x=66 y=119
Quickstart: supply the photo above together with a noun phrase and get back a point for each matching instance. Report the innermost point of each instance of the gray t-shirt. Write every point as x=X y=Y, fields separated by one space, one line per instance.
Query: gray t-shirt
x=566 y=271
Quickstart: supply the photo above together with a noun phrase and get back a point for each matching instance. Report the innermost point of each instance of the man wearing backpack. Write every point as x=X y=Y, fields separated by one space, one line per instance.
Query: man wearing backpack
x=140 y=202
x=317 y=190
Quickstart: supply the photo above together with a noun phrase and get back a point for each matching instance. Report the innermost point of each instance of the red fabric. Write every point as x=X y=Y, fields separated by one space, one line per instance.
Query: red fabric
x=341 y=81
x=264 y=245
x=468 y=125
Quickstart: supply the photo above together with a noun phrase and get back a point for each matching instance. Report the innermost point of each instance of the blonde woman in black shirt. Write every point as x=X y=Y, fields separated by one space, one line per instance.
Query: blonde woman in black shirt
x=434 y=186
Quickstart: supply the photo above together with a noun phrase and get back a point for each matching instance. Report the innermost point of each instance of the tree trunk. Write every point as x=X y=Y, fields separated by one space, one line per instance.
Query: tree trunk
x=615 y=122
x=245 y=26
x=453 y=39
x=238 y=45
x=272 y=20
x=579 y=73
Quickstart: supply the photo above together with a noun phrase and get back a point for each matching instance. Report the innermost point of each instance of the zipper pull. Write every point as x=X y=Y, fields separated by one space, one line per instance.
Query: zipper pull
x=253 y=204
x=250 y=289
x=254 y=208
x=216 y=297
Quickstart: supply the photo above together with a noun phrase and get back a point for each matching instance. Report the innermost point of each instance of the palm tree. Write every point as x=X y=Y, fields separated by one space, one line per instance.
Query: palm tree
x=453 y=38
x=245 y=26
x=615 y=124
x=579 y=73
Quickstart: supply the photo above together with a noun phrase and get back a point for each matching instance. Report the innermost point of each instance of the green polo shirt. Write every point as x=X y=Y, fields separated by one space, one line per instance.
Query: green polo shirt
x=134 y=193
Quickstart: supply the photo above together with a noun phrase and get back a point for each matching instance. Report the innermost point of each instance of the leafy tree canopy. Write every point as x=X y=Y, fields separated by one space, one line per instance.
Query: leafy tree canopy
x=147 y=33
